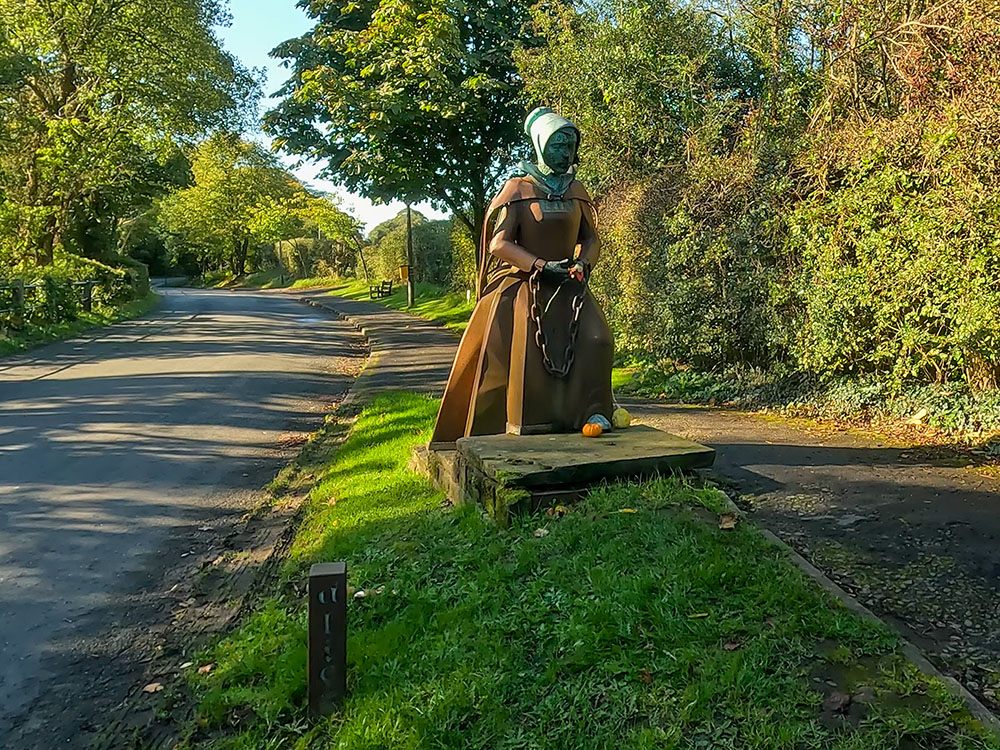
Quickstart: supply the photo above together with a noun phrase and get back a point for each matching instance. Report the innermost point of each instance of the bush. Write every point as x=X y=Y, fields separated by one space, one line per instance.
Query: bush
x=900 y=269
x=432 y=252
x=464 y=252
x=115 y=286
x=60 y=299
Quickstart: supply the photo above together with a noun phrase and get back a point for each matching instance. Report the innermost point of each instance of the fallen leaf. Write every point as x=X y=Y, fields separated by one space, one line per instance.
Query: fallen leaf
x=541 y=532
x=360 y=594
x=557 y=512
x=732 y=646
x=205 y=668
x=645 y=676
x=837 y=702
x=187 y=664
x=153 y=687
x=728 y=521
x=627 y=510
x=698 y=615
x=332 y=501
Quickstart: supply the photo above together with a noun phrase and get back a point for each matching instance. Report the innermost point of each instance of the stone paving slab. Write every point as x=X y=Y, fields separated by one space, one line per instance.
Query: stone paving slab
x=530 y=461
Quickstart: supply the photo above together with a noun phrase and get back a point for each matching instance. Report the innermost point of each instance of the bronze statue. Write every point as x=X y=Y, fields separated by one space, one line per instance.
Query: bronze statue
x=537 y=354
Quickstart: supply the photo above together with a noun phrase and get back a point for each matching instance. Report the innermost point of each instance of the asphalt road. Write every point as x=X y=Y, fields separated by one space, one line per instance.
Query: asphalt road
x=114 y=446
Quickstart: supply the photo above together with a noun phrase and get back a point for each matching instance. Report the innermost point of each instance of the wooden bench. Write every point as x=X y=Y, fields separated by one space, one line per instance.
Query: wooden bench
x=380 y=290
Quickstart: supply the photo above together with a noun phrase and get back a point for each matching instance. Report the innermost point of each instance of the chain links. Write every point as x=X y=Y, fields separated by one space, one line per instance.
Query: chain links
x=538 y=314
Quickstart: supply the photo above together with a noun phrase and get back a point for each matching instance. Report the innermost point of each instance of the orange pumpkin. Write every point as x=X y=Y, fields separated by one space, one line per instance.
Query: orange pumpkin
x=592 y=429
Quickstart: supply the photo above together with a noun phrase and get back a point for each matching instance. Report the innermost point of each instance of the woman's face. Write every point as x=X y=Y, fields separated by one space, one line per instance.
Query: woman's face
x=560 y=151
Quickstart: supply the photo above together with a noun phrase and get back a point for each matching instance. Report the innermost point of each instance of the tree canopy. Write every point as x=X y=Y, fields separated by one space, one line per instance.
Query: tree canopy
x=95 y=97
x=241 y=202
x=406 y=99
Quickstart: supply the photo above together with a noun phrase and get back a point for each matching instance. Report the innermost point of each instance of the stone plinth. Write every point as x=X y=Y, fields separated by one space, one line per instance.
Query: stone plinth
x=506 y=473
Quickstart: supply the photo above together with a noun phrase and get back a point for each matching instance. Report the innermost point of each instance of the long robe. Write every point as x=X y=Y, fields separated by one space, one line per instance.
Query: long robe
x=498 y=382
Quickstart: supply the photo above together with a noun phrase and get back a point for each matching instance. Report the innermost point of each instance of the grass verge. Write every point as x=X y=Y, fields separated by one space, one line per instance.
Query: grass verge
x=631 y=621
x=36 y=336
x=433 y=303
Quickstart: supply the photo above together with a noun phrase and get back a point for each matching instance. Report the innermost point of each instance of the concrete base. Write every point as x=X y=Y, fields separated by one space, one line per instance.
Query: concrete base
x=518 y=473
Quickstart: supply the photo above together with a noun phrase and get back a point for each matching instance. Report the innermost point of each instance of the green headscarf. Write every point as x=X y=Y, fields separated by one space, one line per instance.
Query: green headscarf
x=540 y=126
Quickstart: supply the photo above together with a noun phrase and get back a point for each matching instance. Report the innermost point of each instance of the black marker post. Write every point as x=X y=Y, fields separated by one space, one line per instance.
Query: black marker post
x=327 y=637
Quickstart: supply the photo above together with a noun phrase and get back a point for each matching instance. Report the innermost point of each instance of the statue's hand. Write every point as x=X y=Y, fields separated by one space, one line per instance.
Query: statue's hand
x=556 y=270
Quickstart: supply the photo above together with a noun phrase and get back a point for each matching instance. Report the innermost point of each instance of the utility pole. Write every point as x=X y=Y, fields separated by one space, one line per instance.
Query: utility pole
x=409 y=257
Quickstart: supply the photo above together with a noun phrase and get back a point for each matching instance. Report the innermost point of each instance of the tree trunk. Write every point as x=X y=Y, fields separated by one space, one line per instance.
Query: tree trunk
x=304 y=272
x=241 y=259
x=45 y=253
x=364 y=265
x=238 y=263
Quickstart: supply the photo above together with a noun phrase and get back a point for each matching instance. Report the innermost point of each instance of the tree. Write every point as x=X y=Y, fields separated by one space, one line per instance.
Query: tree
x=406 y=99
x=431 y=247
x=91 y=92
x=239 y=198
x=336 y=225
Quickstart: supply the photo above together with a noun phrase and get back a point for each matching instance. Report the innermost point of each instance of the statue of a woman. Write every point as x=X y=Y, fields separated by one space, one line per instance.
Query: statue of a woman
x=537 y=354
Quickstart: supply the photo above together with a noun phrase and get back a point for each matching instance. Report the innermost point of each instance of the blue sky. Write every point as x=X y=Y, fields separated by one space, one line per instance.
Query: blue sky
x=258 y=27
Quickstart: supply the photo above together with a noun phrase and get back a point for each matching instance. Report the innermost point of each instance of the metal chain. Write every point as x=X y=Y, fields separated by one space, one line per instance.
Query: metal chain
x=537 y=315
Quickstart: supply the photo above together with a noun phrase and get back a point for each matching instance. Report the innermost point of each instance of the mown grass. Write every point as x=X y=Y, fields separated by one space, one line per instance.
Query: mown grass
x=37 y=335
x=633 y=621
x=432 y=302
x=450 y=309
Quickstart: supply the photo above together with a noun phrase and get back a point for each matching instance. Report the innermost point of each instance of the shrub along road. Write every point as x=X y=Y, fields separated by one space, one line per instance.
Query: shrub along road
x=910 y=531
x=123 y=456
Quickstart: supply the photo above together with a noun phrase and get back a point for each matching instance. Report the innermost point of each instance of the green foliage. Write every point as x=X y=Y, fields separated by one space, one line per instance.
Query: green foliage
x=243 y=210
x=797 y=187
x=464 y=249
x=60 y=301
x=901 y=261
x=94 y=99
x=406 y=99
x=431 y=248
x=13 y=339
x=636 y=77
x=608 y=631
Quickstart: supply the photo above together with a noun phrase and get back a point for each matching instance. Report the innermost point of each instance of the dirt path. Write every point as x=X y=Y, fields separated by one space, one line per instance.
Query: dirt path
x=912 y=533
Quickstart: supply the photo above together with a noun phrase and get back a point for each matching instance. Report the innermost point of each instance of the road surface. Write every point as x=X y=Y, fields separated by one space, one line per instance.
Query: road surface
x=113 y=447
